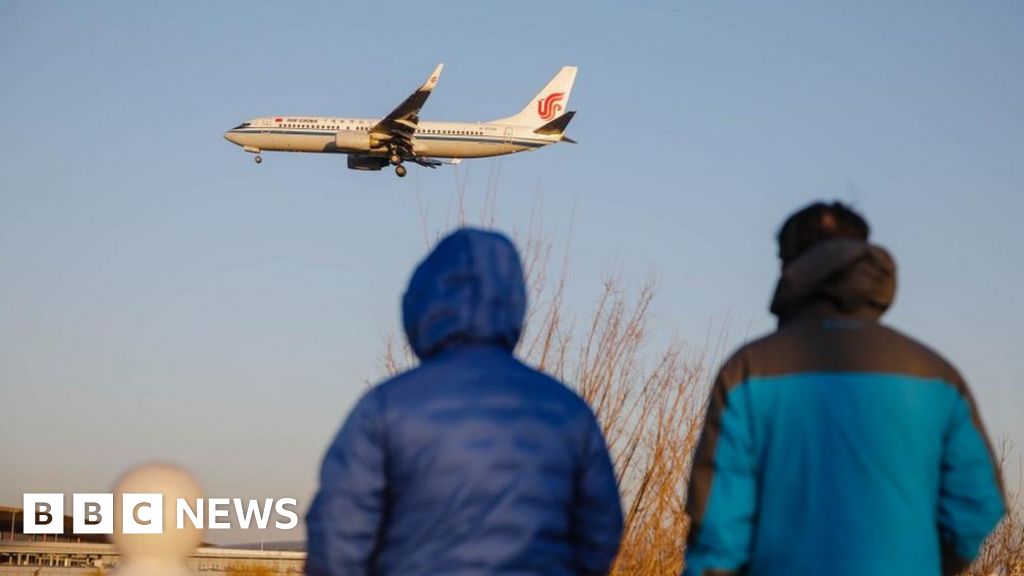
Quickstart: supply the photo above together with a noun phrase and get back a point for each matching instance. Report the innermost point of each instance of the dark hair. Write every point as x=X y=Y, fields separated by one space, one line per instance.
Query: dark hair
x=817 y=223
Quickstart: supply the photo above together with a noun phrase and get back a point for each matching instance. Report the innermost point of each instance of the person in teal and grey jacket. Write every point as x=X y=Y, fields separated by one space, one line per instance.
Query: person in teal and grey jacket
x=836 y=445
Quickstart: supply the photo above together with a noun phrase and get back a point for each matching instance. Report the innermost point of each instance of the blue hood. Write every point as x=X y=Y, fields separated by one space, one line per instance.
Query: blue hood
x=469 y=290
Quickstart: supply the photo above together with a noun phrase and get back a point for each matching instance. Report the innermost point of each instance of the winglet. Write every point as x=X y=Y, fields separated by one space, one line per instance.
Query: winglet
x=432 y=80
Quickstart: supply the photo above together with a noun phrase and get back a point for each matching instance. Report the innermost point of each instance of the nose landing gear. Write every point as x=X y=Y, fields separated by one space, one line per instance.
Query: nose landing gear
x=400 y=171
x=253 y=150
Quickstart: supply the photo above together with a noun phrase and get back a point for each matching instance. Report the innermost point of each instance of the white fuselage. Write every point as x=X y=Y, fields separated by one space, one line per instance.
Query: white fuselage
x=432 y=139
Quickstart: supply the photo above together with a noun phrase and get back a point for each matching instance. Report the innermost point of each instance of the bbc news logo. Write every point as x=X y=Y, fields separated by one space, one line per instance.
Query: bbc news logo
x=143 y=513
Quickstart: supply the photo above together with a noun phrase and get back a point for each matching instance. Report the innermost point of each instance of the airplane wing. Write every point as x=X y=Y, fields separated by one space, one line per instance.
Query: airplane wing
x=401 y=123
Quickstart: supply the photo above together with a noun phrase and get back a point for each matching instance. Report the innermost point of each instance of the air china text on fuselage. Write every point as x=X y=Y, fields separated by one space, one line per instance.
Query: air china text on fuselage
x=372 y=144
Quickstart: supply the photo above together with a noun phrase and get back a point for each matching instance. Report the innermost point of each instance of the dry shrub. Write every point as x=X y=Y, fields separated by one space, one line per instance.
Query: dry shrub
x=1003 y=552
x=250 y=569
x=648 y=399
x=650 y=409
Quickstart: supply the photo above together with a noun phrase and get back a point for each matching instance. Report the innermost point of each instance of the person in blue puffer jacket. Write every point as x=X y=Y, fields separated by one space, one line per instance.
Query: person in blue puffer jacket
x=472 y=463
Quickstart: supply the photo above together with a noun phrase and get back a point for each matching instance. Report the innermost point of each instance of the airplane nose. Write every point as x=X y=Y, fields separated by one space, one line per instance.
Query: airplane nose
x=231 y=137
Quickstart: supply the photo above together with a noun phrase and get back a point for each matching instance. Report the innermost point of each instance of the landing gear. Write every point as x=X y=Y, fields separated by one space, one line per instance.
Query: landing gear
x=258 y=159
x=395 y=159
x=400 y=170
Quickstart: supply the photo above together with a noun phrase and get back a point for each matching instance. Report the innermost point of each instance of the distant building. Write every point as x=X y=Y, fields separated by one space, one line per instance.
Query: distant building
x=22 y=558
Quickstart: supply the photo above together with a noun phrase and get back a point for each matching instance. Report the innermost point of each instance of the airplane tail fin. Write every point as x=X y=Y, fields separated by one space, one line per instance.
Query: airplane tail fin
x=548 y=103
x=557 y=127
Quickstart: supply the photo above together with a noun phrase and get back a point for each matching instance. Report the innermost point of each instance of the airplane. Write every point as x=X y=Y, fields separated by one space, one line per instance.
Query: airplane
x=372 y=144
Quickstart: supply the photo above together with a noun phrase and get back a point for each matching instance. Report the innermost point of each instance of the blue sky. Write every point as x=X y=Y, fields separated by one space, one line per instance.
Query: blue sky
x=161 y=296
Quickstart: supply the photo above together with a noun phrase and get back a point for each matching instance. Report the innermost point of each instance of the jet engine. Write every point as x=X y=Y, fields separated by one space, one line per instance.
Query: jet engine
x=352 y=140
x=358 y=141
x=363 y=162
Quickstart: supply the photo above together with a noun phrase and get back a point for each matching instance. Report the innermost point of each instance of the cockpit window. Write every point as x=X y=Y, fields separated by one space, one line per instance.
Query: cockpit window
x=242 y=125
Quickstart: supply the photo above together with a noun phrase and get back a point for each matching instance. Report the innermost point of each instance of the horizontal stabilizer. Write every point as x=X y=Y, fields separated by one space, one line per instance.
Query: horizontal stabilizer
x=556 y=126
x=434 y=162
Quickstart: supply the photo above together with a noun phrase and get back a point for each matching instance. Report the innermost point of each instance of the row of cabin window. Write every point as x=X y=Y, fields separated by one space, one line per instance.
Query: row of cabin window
x=366 y=128
x=461 y=132
x=323 y=127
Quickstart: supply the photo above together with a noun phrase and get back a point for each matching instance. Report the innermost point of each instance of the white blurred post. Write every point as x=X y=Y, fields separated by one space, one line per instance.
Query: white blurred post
x=163 y=554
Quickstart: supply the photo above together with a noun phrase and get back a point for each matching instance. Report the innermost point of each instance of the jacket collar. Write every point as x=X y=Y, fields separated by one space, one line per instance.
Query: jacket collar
x=837 y=278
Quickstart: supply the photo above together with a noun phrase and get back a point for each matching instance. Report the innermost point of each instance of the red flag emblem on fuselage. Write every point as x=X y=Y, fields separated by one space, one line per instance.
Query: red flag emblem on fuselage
x=548 y=107
x=277 y=119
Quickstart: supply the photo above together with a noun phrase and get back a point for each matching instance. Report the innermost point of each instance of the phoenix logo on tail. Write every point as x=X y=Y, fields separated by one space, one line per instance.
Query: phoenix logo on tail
x=548 y=108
